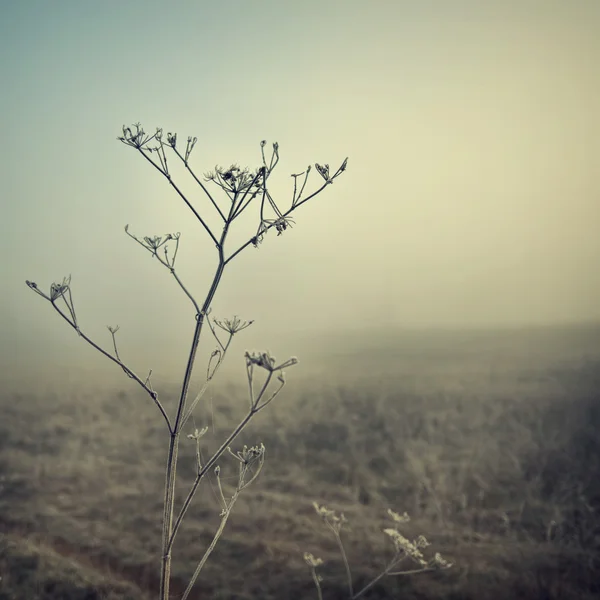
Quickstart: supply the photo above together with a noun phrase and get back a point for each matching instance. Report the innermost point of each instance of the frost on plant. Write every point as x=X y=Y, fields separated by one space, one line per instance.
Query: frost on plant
x=404 y=550
x=406 y=547
x=227 y=193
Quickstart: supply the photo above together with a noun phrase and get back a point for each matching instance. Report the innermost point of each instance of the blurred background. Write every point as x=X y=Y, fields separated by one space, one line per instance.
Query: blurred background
x=471 y=198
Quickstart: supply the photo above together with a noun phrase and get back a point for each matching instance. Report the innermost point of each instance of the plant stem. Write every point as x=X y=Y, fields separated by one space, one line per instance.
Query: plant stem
x=210 y=548
x=171 y=471
x=346 y=564
x=168 y=506
x=315 y=577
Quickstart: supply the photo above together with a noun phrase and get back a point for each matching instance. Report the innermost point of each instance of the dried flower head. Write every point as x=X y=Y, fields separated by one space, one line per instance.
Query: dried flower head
x=136 y=137
x=438 y=563
x=335 y=521
x=232 y=326
x=404 y=545
x=172 y=139
x=312 y=561
x=191 y=142
x=261 y=359
x=398 y=518
x=248 y=456
x=59 y=289
x=266 y=361
x=234 y=179
x=323 y=171
x=280 y=224
x=198 y=433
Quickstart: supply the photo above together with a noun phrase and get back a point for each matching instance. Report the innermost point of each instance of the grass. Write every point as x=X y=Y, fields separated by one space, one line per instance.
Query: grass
x=492 y=450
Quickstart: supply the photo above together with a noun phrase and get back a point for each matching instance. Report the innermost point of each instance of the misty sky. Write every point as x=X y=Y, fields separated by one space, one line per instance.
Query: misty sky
x=471 y=196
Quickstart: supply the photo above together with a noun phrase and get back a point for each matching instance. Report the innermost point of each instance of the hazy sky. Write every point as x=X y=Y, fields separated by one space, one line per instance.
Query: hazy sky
x=471 y=196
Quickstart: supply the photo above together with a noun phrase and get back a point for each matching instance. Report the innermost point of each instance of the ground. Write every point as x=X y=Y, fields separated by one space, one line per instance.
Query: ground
x=490 y=444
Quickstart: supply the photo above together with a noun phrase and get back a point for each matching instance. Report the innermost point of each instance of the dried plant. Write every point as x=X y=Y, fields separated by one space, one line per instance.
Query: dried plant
x=405 y=551
x=241 y=188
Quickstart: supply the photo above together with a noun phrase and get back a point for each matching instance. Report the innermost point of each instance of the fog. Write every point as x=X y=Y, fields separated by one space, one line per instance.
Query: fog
x=471 y=198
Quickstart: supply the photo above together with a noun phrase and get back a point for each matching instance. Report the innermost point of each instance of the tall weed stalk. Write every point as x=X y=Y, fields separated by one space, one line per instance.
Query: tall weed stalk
x=238 y=189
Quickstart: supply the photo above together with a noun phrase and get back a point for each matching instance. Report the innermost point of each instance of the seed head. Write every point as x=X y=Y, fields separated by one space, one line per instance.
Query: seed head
x=312 y=561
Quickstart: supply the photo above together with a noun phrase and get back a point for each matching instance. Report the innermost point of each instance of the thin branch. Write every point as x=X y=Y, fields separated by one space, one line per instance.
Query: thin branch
x=118 y=362
x=211 y=462
x=338 y=539
x=181 y=194
x=270 y=225
x=317 y=582
x=215 y=334
x=388 y=572
x=241 y=208
x=411 y=572
x=238 y=210
x=263 y=389
x=205 y=385
x=153 y=249
x=273 y=395
x=185 y=291
x=204 y=189
x=265 y=227
x=210 y=548
x=221 y=494
x=296 y=199
x=113 y=331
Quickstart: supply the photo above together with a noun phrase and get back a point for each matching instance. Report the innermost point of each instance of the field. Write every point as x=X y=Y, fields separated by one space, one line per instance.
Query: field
x=489 y=441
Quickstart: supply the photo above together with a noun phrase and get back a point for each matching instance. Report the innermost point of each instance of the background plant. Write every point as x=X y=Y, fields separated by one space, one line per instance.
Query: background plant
x=242 y=188
x=407 y=553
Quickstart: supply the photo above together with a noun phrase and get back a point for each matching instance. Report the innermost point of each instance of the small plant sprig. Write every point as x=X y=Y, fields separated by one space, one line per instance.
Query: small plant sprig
x=404 y=551
x=241 y=187
x=249 y=459
x=314 y=563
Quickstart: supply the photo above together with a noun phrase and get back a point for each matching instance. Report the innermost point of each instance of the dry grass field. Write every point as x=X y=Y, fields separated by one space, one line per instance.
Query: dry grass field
x=490 y=442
